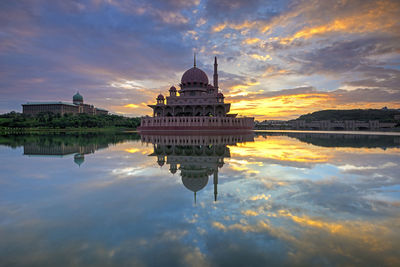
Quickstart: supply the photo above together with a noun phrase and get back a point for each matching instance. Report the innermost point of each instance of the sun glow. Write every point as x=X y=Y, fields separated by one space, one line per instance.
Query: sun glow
x=279 y=107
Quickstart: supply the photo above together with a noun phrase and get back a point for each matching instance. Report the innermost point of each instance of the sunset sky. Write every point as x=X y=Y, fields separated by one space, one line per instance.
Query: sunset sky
x=277 y=59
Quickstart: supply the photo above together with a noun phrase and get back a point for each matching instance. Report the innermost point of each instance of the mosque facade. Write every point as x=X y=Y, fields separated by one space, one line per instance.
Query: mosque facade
x=59 y=107
x=199 y=106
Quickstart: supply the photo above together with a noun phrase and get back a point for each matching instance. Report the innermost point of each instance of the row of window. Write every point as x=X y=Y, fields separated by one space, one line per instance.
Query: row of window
x=235 y=121
x=210 y=141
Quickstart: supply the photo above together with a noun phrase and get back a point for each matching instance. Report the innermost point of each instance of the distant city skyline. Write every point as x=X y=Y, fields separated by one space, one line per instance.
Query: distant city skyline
x=277 y=59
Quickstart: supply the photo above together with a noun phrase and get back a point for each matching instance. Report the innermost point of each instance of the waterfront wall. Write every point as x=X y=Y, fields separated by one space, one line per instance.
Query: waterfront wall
x=196 y=123
x=217 y=139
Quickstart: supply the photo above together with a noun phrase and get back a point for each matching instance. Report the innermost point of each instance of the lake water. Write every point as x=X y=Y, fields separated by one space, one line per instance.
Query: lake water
x=302 y=199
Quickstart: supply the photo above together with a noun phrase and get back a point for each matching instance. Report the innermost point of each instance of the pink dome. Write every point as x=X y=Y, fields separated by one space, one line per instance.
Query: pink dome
x=194 y=75
x=160 y=97
x=173 y=89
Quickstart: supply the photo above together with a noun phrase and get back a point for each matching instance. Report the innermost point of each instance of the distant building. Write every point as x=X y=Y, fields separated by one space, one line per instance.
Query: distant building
x=58 y=107
x=341 y=125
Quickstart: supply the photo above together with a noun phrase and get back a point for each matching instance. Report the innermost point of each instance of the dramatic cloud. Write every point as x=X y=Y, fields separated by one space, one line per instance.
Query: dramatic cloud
x=121 y=54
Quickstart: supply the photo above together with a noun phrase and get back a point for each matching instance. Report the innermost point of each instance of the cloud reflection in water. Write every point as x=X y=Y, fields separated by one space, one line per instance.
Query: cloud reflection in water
x=282 y=199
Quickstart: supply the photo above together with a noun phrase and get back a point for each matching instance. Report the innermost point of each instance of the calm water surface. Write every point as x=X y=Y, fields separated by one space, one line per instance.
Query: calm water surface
x=244 y=200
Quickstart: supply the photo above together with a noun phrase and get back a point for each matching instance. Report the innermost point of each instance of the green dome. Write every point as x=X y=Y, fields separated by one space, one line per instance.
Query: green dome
x=77 y=97
x=79 y=159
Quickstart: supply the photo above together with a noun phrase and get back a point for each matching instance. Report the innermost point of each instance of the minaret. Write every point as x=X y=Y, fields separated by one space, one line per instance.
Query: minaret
x=215 y=74
x=215 y=185
x=194 y=61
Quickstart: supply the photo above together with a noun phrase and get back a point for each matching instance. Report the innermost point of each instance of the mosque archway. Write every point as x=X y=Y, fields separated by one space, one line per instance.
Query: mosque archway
x=178 y=111
x=168 y=112
x=220 y=111
x=158 y=112
x=209 y=111
x=188 y=111
x=198 y=111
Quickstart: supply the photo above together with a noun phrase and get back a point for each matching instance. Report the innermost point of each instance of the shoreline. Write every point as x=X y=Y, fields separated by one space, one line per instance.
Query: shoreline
x=331 y=132
x=52 y=130
x=133 y=130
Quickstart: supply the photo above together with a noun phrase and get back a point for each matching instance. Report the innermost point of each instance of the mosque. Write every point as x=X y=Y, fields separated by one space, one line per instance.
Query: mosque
x=196 y=156
x=199 y=106
x=59 y=107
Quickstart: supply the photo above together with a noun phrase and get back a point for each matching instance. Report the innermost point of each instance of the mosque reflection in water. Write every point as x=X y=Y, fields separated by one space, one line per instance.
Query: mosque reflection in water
x=197 y=157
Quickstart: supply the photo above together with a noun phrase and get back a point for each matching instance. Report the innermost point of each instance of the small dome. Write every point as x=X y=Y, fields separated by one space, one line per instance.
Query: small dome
x=173 y=168
x=77 y=97
x=220 y=95
x=194 y=75
x=195 y=184
x=160 y=97
x=173 y=89
x=79 y=159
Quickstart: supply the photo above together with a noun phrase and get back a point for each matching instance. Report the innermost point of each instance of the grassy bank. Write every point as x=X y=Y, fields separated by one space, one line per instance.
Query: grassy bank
x=8 y=130
x=49 y=122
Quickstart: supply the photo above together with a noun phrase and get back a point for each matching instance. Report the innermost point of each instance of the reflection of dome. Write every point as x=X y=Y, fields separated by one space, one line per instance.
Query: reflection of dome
x=79 y=159
x=77 y=98
x=173 y=168
x=194 y=75
x=195 y=184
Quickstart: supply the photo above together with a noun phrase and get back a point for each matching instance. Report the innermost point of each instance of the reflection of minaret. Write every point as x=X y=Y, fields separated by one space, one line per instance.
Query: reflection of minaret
x=215 y=184
x=160 y=160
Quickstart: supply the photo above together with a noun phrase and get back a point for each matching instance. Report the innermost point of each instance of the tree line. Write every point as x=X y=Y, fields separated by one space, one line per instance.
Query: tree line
x=58 y=121
x=383 y=115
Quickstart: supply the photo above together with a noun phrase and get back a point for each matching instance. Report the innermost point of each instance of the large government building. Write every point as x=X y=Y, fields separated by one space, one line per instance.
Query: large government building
x=199 y=106
x=58 y=107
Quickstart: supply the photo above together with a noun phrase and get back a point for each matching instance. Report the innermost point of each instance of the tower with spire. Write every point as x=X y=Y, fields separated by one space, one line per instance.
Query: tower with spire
x=215 y=74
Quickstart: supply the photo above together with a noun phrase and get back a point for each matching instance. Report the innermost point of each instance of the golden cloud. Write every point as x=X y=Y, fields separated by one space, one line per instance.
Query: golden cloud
x=261 y=58
x=131 y=106
x=239 y=26
x=251 y=41
x=259 y=197
x=382 y=17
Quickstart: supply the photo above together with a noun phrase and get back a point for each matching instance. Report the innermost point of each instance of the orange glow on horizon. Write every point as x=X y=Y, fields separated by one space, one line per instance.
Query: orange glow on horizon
x=280 y=148
x=281 y=106
x=287 y=149
x=285 y=107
